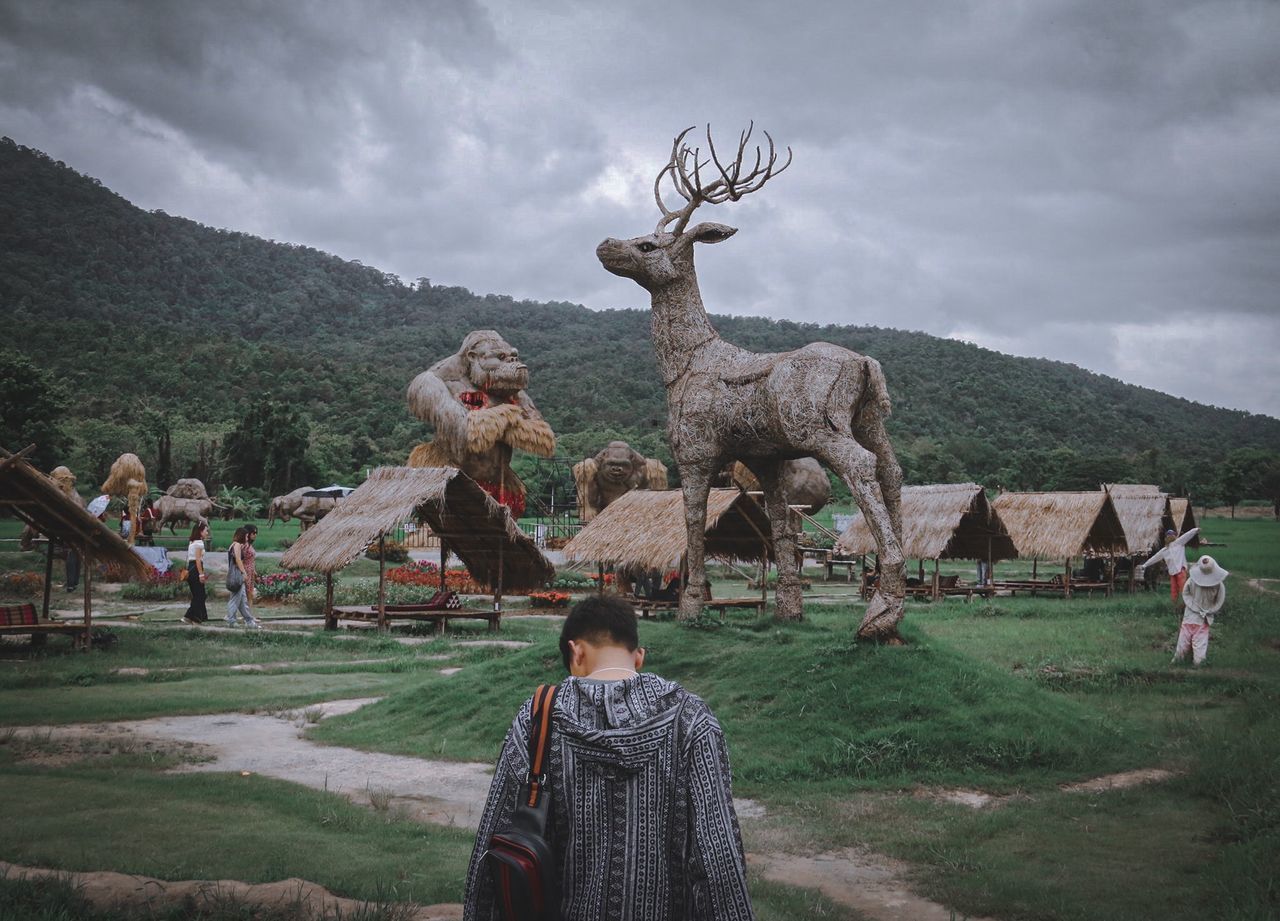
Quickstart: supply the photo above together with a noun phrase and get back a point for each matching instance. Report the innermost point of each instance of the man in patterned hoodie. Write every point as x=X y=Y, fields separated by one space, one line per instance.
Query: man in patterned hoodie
x=642 y=820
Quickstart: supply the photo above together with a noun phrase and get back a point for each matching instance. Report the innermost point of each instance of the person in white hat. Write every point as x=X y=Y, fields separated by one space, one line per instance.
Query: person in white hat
x=1174 y=554
x=1203 y=596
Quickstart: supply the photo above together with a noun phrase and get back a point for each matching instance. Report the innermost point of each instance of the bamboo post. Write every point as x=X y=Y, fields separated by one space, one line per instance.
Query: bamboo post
x=382 y=582
x=600 y=578
x=937 y=585
x=1066 y=592
x=444 y=559
x=88 y=603
x=764 y=579
x=48 y=576
x=330 y=622
x=497 y=596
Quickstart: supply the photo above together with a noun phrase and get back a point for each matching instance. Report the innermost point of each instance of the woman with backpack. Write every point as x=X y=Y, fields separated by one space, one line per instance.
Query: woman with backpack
x=240 y=576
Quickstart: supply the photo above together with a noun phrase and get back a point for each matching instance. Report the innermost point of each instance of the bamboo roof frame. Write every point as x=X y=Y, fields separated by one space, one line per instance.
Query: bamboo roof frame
x=1062 y=525
x=1144 y=514
x=36 y=499
x=647 y=528
x=476 y=528
x=940 y=521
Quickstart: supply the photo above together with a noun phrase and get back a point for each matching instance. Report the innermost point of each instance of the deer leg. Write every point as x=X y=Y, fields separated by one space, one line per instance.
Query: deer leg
x=695 y=484
x=789 y=598
x=857 y=466
x=872 y=435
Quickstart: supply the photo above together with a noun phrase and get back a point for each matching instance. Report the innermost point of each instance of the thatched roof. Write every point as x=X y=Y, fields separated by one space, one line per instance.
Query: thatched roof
x=474 y=526
x=37 y=500
x=647 y=528
x=1184 y=518
x=948 y=521
x=1058 y=525
x=1144 y=515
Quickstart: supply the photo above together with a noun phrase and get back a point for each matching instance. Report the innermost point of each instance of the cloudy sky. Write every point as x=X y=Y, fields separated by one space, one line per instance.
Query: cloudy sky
x=1095 y=182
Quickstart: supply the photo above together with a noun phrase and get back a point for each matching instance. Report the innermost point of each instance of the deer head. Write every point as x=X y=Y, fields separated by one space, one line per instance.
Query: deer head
x=666 y=255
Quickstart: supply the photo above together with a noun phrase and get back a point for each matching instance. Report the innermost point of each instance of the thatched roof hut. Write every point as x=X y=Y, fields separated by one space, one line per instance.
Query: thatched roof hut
x=1184 y=518
x=1061 y=525
x=1144 y=515
x=647 y=528
x=949 y=521
x=473 y=526
x=37 y=500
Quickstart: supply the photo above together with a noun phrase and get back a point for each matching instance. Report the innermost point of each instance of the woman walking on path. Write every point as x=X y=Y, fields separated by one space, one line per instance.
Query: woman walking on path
x=196 y=576
x=1203 y=596
x=240 y=558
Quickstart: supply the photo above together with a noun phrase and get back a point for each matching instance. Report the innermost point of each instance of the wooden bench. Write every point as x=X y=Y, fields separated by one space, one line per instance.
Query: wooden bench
x=20 y=619
x=719 y=604
x=438 y=616
x=1055 y=586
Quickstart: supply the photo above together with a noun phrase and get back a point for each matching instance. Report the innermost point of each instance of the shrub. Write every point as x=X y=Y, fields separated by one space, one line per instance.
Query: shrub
x=24 y=584
x=157 y=586
x=392 y=551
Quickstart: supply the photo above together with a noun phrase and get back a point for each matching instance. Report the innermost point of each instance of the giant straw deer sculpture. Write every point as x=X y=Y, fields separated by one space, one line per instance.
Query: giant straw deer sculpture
x=726 y=403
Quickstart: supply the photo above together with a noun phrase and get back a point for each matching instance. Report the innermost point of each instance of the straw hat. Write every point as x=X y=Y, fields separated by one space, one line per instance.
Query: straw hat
x=1207 y=573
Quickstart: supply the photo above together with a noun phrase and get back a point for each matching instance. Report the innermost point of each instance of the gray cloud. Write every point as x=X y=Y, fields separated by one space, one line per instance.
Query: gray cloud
x=1088 y=181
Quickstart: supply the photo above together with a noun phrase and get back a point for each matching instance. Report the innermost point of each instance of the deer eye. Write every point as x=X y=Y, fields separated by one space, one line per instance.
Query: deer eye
x=646 y=247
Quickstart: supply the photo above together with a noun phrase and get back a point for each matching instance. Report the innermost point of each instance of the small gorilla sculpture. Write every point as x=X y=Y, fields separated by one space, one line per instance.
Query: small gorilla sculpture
x=477 y=402
x=612 y=473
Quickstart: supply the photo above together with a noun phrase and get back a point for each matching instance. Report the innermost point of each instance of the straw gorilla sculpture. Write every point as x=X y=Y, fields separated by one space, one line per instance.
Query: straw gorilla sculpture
x=725 y=403
x=612 y=473
x=477 y=402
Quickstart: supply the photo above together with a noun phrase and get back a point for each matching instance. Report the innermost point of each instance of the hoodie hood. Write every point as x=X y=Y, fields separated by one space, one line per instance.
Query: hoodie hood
x=610 y=714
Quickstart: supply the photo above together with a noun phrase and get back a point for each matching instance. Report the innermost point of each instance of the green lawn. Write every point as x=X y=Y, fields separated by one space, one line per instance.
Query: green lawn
x=843 y=743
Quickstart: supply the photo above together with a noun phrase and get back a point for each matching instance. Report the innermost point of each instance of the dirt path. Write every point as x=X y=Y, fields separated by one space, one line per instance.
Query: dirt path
x=106 y=890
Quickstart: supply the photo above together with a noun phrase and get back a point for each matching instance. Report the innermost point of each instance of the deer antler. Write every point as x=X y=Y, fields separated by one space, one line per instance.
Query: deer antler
x=685 y=169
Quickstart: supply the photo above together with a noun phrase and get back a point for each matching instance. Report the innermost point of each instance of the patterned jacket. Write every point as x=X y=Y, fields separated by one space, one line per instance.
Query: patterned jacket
x=643 y=824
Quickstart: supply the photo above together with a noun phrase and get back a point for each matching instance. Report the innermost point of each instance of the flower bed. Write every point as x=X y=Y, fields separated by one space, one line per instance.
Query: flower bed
x=549 y=599
x=274 y=586
x=427 y=574
x=157 y=586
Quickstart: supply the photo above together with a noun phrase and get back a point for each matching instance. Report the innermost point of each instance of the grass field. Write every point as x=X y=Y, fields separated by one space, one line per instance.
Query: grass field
x=845 y=745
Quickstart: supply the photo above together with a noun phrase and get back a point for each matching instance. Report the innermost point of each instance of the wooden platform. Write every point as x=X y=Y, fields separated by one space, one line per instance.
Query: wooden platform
x=440 y=618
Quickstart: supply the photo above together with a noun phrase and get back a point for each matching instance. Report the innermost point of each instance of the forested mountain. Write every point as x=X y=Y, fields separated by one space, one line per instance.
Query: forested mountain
x=156 y=334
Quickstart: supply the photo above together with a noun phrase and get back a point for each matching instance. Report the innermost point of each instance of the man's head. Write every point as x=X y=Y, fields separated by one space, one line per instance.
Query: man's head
x=599 y=627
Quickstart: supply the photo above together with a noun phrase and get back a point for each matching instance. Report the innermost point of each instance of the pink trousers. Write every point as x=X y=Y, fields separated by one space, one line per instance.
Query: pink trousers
x=1196 y=638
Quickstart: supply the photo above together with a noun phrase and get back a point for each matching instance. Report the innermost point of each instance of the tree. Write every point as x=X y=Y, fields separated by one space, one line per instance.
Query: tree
x=1244 y=474
x=269 y=448
x=33 y=403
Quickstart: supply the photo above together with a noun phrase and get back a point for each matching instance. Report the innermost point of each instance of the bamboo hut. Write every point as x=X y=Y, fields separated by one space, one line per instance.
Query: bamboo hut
x=942 y=521
x=468 y=522
x=38 y=501
x=645 y=529
x=1184 y=518
x=1061 y=526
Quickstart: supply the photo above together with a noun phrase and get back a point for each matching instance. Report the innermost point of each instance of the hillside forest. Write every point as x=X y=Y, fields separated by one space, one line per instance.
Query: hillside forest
x=264 y=365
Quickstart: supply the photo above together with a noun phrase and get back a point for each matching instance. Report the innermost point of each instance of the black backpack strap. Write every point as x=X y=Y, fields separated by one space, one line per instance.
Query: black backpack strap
x=539 y=738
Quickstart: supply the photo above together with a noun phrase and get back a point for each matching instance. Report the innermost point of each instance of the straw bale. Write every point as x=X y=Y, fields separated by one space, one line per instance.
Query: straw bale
x=1144 y=515
x=40 y=502
x=1058 y=525
x=948 y=521
x=647 y=528
x=452 y=504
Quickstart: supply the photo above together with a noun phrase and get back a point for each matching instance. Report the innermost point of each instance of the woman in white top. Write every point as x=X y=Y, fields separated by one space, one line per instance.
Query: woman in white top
x=1204 y=596
x=196 y=576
